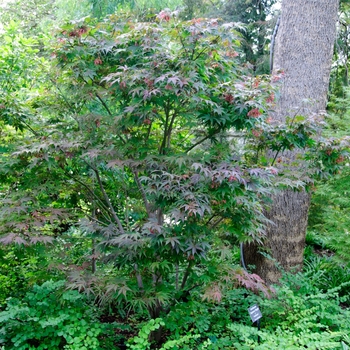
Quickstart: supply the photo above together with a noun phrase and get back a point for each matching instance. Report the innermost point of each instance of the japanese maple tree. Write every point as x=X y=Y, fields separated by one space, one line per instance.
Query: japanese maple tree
x=149 y=140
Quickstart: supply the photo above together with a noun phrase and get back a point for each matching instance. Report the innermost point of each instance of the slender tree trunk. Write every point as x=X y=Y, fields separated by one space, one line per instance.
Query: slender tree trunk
x=303 y=50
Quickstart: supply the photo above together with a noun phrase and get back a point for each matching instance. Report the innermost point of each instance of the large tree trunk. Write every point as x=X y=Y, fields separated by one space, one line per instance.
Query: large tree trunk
x=303 y=50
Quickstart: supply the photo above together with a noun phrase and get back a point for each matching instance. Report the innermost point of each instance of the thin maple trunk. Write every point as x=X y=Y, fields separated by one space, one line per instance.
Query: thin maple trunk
x=142 y=191
x=186 y=275
x=165 y=131
x=138 y=278
x=93 y=242
x=110 y=206
x=177 y=276
x=170 y=129
x=93 y=260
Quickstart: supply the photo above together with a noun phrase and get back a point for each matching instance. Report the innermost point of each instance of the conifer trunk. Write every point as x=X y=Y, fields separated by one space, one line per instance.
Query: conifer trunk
x=303 y=50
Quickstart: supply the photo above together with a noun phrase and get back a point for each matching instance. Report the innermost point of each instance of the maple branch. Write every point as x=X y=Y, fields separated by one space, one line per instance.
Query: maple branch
x=165 y=133
x=104 y=104
x=186 y=292
x=211 y=218
x=103 y=211
x=96 y=220
x=160 y=218
x=199 y=142
x=177 y=276
x=156 y=278
x=70 y=106
x=138 y=278
x=109 y=112
x=142 y=190
x=114 y=214
x=216 y=223
x=183 y=44
x=28 y=126
x=187 y=273
x=276 y=155
x=62 y=95
x=199 y=54
x=93 y=260
x=194 y=50
x=149 y=132
x=171 y=128
x=86 y=187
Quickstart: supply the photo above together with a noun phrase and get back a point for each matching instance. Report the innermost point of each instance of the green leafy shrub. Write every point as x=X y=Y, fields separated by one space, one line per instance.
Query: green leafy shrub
x=48 y=318
x=209 y=319
x=327 y=273
x=21 y=268
x=300 y=304
x=300 y=315
x=330 y=214
x=199 y=324
x=141 y=341
x=245 y=338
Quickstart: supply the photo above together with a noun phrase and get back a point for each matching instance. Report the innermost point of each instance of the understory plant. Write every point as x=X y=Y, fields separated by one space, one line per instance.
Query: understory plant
x=329 y=215
x=299 y=315
x=48 y=317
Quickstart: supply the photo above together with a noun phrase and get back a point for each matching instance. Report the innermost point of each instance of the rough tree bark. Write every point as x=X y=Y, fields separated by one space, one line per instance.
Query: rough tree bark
x=303 y=50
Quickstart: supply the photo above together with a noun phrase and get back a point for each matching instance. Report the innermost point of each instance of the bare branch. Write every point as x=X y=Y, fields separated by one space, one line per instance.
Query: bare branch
x=138 y=278
x=90 y=191
x=142 y=191
x=217 y=222
x=165 y=133
x=177 y=276
x=114 y=214
x=109 y=112
x=170 y=129
x=104 y=104
x=198 y=143
x=187 y=273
